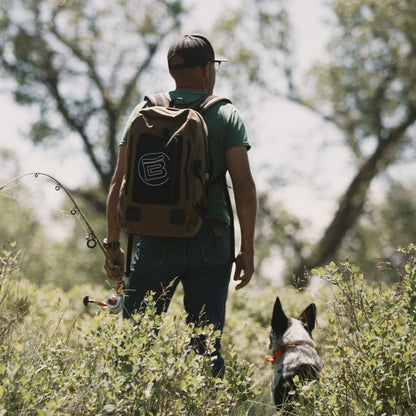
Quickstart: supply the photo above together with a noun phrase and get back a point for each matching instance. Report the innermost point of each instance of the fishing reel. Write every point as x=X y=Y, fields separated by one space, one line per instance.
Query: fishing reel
x=113 y=303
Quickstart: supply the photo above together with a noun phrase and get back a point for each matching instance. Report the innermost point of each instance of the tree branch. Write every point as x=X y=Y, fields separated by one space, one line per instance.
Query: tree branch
x=352 y=202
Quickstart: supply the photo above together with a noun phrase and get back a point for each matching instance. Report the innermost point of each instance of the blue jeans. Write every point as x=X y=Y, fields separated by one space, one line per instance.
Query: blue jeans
x=203 y=265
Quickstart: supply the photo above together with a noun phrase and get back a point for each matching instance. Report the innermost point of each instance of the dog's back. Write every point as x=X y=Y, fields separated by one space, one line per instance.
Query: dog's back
x=293 y=349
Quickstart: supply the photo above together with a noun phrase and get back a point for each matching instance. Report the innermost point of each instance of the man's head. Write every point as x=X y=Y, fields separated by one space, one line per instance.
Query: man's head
x=191 y=63
x=191 y=51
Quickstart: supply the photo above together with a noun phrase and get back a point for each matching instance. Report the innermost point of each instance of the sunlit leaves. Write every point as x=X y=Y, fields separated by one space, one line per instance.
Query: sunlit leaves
x=370 y=75
x=373 y=364
x=104 y=365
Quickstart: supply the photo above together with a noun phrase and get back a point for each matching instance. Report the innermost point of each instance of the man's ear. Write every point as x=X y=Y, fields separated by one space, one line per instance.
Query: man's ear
x=205 y=70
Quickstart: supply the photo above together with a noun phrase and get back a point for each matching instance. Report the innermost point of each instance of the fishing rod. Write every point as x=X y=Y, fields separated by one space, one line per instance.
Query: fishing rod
x=92 y=239
x=113 y=302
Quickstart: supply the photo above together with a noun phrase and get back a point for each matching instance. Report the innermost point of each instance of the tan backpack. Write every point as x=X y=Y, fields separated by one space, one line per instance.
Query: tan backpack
x=164 y=188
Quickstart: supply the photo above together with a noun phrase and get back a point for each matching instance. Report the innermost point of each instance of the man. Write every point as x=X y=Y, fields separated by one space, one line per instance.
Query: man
x=202 y=263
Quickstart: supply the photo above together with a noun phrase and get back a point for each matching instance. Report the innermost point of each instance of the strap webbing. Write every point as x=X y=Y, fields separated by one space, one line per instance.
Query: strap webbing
x=158 y=100
x=201 y=105
x=231 y=214
x=129 y=253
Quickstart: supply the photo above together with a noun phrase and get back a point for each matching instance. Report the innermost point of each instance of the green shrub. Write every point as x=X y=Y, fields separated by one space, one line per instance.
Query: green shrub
x=13 y=306
x=57 y=357
x=371 y=369
x=53 y=362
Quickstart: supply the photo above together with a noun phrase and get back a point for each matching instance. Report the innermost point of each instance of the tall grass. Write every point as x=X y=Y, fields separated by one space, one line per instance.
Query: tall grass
x=57 y=358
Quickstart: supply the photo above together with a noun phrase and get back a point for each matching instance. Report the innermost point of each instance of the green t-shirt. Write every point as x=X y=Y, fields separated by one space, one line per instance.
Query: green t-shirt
x=225 y=130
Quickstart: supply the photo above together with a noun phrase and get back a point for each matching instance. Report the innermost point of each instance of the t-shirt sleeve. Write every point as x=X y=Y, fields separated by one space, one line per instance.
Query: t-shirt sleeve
x=235 y=130
x=132 y=116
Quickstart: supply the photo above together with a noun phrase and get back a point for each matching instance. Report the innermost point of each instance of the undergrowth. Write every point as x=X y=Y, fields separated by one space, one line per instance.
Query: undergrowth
x=103 y=365
x=371 y=365
x=59 y=358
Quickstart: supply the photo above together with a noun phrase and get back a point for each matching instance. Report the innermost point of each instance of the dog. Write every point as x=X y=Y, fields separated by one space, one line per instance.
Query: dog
x=293 y=352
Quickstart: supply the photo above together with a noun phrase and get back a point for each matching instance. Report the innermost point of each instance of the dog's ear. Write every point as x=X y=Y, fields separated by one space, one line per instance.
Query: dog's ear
x=279 y=319
x=308 y=317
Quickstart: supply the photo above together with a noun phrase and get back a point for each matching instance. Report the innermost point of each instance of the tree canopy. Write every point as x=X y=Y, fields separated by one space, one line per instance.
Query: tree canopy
x=68 y=62
x=83 y=65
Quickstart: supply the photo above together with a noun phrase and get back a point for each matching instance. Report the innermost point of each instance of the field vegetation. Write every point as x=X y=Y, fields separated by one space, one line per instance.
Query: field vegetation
x=60 y=358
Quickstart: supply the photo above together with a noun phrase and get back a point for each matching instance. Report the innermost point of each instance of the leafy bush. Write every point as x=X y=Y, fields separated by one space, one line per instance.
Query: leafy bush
x=59 y=358
x=54 y=363
x=371 y=369
x=13 y=306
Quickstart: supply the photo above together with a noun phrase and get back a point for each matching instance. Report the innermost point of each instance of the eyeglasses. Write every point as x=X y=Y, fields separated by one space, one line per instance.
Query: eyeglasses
x=217 y=64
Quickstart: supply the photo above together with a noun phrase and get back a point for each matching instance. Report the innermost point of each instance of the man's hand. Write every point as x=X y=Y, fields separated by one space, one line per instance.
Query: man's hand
x=244 y=262
x=114 y=264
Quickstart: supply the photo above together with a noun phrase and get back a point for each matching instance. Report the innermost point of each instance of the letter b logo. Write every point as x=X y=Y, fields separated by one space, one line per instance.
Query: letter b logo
x=152 y=169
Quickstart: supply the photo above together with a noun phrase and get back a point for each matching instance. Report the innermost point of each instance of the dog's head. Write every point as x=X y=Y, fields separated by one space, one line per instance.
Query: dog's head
x=293 y=350
x=286 y=329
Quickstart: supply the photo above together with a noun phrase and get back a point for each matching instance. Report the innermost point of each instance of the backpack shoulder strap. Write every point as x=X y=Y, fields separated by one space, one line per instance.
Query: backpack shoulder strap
x=208 y=101
x=160 y=100
x=200 y=105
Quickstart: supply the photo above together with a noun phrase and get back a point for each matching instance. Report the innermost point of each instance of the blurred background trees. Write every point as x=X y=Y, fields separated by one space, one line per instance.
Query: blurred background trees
x=70 y=64
x=81 y=66
x=367 y=90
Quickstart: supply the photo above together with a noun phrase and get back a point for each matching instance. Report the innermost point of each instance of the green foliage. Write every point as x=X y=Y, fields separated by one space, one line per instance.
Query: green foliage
x=13 y=305
x=59 y=357
x=384 y=227
x=48 y=47
x=20 y=224
x=369 y=77
x=260 y=46
x=102 y=365
x=363 y=89
x=52 y=240
x=277 y=230
x=42 y=130
x=372 y=366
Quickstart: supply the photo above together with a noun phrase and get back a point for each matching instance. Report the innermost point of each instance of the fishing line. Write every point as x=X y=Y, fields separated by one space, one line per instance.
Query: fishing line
x=75 y=210
x=113 y=302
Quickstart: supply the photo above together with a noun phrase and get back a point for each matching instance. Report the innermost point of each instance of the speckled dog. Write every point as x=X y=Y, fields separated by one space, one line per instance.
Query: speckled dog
x=293 y=350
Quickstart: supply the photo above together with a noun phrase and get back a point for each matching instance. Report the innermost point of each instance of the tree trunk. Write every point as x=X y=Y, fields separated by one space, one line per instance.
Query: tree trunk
x=351 y=204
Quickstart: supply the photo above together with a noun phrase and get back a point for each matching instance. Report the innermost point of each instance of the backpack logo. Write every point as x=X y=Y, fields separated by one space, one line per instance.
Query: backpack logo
x=152 y=168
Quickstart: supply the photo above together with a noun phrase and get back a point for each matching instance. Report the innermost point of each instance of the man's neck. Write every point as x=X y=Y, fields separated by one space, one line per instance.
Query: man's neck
x=192 y=88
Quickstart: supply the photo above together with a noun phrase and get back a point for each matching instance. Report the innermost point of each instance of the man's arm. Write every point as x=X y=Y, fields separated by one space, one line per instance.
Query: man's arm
x=246 y=204
x=115 y=271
